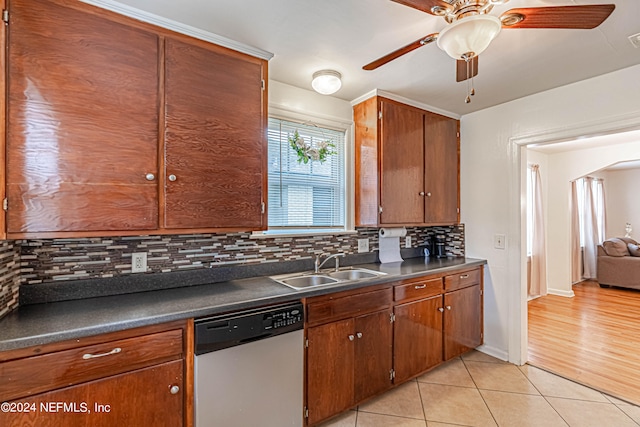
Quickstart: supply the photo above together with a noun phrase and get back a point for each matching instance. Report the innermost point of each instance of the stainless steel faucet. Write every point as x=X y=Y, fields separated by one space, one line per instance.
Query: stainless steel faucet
x=318 y=265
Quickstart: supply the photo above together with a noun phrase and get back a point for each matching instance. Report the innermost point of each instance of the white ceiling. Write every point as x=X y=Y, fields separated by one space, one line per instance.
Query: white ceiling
x=344 y=35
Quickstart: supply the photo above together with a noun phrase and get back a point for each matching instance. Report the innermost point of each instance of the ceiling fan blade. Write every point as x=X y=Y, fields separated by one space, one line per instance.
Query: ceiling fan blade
x=399 y=52
x=426 y=5
x=575 y=17
x=461 y=69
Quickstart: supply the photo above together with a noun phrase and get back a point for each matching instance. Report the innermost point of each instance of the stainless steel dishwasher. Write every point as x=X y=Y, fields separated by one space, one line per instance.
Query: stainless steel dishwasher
x=249 y=368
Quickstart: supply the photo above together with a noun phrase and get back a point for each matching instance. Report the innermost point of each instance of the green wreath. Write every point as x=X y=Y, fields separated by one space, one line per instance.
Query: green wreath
x=306 y=152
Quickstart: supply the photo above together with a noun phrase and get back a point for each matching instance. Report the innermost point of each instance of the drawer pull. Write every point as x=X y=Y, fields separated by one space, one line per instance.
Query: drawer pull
x=359 y=334
x=420 y=286
x=464 y=276
x=174 y=389
x=351 y=337
x=448 y=307
x=94 y=356
x=441 y=310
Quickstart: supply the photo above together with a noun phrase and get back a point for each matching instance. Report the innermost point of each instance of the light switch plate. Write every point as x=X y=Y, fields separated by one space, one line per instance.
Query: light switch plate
x=407 y=241
x=499 y=241
x=363 y=245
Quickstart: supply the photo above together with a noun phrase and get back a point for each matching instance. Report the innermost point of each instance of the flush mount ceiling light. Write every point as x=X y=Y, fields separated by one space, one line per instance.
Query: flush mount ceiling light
x=470 y=36
x=326 y=82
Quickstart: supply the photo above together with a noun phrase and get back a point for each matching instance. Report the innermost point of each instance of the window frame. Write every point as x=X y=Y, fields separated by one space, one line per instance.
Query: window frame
x=327 y=122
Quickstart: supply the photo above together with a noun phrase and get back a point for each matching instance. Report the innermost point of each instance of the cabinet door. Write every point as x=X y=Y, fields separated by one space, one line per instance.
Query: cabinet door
x=417 y=337
x=462 y=321
x=373 y=356
x=401 y=165
x=330 y=369
x=82 y=121
x=441 y=170
x=215 y=149
x=138 y=398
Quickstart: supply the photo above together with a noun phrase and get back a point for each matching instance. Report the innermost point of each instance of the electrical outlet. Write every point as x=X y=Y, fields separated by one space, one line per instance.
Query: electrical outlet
x=499 y=241
x=138 y=262
x=407 y=241
x=363 y=245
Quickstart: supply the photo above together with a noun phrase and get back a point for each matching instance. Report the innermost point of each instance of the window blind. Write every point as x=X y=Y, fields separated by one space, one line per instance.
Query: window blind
x=310 y=195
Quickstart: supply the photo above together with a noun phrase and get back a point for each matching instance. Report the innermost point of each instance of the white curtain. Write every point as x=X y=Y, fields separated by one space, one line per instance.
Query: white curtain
x=538 y=285
x=593 y=223
x=576 y=252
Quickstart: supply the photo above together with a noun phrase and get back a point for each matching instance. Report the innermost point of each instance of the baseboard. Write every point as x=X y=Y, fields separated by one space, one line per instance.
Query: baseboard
x=494 y=352
x=561 y=293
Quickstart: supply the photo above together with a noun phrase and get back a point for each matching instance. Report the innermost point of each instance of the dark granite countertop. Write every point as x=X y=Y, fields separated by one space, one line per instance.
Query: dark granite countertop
x=43 y=323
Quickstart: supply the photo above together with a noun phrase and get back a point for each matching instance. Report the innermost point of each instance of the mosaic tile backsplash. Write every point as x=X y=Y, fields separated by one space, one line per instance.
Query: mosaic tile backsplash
x=52 y=260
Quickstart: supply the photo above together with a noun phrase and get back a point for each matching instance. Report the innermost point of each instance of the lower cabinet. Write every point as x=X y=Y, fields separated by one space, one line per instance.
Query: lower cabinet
x=417 y=344
x=132 y=378
x=138 y=398
x=462 y=321
x=355 y=352
x=347 y=360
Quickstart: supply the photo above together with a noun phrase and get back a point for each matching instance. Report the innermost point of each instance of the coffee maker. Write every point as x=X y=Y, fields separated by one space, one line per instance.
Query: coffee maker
x=437 y=249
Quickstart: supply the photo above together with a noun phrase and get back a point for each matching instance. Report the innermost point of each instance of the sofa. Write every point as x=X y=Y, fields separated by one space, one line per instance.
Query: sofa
x=619 y=263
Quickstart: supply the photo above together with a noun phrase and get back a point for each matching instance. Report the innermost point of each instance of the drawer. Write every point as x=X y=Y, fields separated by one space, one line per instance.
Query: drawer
x=417 y=290
x=37 y=374
x=348 y=306
x=461 y=279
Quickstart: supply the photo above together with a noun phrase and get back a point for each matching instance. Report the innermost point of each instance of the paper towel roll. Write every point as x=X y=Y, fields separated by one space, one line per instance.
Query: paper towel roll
x=393 y=232
x=389 y=244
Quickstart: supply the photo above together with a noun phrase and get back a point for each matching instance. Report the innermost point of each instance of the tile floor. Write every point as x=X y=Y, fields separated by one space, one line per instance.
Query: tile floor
x=479 y=390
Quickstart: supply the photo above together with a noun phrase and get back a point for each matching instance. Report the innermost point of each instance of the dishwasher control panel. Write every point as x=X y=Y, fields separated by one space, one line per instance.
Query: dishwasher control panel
x=228 y=330
x=282 y=318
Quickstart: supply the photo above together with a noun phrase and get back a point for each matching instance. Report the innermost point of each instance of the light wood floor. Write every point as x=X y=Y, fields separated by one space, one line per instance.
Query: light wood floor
x=593 y=338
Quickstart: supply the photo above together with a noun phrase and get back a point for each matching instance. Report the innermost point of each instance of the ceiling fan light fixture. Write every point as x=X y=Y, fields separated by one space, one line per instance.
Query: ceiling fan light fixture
x=469 y=36
x=326 y=82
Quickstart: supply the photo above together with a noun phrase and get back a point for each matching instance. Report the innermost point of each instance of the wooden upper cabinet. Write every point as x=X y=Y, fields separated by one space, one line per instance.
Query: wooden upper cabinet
x=407 y=165
x=82 y=129
x=442 y=170
x=401 y=165
x=214 y=137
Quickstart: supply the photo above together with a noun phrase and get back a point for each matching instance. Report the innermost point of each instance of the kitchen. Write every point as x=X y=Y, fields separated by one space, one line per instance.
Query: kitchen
x=480 y=213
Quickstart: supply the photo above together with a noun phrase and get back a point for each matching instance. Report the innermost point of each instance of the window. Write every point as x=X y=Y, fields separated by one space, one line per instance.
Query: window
x=305 y=196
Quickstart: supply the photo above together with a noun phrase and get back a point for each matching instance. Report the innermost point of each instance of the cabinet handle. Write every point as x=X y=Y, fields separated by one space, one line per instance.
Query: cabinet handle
x=172 y=177
x=464 y=276
x=421 y=193
x=441 y=310
x=420 y=286
x=448 y=307
x=150 y=177
x=174 y=389
x=94 y=356
x=359 y=334
x=429 y=194
x=351 y=337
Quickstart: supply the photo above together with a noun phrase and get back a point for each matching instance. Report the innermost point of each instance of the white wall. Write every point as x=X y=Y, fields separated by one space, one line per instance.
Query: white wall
x=291 y=100
x=623 y=201
x=491 y=184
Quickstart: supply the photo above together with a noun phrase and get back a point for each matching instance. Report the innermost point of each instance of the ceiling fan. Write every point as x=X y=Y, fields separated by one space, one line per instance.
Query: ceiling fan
x=471 y=28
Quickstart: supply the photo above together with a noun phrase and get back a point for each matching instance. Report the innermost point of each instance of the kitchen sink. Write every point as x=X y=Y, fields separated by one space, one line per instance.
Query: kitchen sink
x=301 y=282
x=306 y=280
x=354 y=274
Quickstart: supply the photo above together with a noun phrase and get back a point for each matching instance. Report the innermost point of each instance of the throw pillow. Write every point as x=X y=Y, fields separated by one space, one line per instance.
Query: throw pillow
x=634 y=250
x=615 y=247
x=628 y=240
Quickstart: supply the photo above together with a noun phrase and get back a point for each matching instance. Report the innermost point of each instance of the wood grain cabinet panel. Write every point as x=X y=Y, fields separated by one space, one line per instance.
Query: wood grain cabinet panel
x=330 y=369
x=82 y=121
x=373 y=354
x=139 y=398
x=214 y=139
x=407 y=165
x=417 y=337
x=462 y=321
